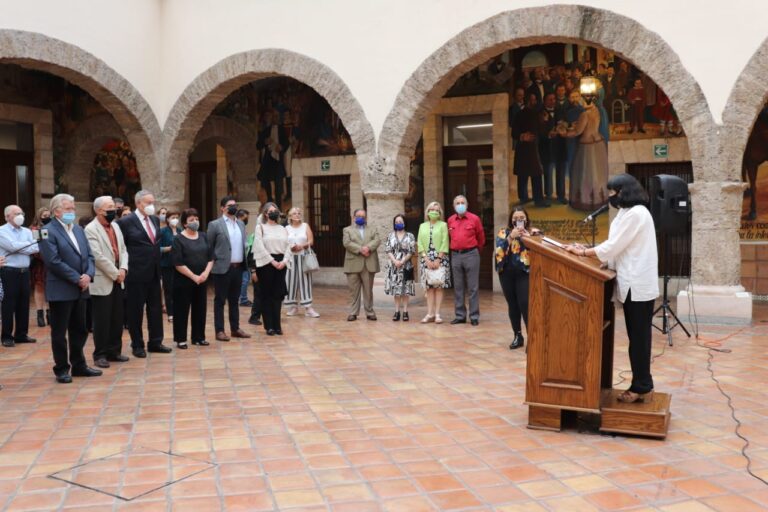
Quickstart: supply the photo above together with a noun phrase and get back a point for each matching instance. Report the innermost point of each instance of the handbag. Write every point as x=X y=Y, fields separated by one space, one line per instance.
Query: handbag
x=310 y=261
x=435 y=276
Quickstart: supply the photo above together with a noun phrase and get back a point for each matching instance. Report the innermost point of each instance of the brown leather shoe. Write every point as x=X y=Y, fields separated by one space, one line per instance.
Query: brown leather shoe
x=102 y=363
x=240 y=334
x=222 y=336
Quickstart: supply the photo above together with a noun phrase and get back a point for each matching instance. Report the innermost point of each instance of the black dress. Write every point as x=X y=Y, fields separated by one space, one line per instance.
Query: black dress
x=194 y=254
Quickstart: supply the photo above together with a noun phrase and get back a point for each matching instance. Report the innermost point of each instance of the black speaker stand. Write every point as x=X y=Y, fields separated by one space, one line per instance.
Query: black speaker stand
x=664 y=307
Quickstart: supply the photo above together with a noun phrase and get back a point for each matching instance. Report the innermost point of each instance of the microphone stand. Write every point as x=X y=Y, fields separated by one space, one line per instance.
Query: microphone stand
x=594 y=229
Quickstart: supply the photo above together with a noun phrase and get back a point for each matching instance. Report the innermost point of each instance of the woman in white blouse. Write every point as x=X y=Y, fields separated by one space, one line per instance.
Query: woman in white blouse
x=299 y=283
x=631 y=251
x=267 y=261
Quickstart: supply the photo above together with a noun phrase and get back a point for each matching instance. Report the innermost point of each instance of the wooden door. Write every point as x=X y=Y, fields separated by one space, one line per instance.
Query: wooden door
x=328 y=214
x=468 y=171
x=202 y=191
x=17 y=180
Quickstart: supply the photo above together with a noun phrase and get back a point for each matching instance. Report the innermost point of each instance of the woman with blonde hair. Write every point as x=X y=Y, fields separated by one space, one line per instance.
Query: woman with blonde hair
x=299 y=283
x=435 y=272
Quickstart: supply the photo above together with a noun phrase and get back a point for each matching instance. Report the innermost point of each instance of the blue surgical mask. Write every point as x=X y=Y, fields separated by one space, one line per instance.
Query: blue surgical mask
x=461 y=209
x=399 y=226
x=360 y=221
x=68 y=217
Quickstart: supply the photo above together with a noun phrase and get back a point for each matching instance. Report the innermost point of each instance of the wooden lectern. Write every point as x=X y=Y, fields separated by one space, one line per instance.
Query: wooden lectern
x=570 y=343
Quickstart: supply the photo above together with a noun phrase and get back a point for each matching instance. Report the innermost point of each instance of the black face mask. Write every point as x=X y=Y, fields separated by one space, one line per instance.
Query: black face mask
x=45 y=220
x=110 y=215
x=273 y=215
x=614 y=200
x=232 y=209
x=245 y=221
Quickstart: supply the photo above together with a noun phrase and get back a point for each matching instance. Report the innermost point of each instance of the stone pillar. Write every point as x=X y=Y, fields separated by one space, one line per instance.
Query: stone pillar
x=715 y=293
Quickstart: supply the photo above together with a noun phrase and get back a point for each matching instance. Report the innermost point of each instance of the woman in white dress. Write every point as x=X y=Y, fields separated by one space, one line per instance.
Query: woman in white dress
x=298 y=282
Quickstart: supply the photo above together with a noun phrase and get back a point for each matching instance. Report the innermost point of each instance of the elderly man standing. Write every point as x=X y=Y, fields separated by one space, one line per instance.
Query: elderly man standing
x=360 y=264
x=111 y=258
x=16 y=245
x=467 y=238
x=226 y=238
x=70 y=270
x=140 y=232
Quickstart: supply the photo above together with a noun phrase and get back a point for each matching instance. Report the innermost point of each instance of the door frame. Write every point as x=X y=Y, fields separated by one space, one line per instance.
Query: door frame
x=25 y=158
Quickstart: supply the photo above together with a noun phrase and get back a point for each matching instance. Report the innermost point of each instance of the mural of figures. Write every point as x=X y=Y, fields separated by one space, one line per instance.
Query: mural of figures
x=755 y=173
x=114 y=172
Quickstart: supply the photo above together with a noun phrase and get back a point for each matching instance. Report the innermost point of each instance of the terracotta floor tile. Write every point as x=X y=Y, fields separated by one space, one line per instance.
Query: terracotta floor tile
x=435 y=483
x=394 y=488
x=453 y=500
x=299 y=498
x=409 y=504
x=613 y=500
x=248 y=502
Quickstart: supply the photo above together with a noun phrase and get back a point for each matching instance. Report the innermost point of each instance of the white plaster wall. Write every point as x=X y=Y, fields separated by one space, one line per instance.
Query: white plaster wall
x=162 y=45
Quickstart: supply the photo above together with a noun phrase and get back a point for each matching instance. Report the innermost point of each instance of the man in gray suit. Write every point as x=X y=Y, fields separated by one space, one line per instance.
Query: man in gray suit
x=226 y=238
x=70 y=270
x=360 y=264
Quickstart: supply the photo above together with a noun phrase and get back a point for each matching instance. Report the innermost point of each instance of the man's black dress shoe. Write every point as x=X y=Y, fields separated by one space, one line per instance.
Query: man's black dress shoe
x=458 y=321
x=7 y=342
x=517 y=342
x=140 y=352
x=120 y=358
x=25 y=339
x=474 y=322
x=279 y=332
x=254 y=321
x=64 y=378
x=271 y=332
x=162 y=349
x=102 y=363
x=351 y=318
x=86 y=372
x=202 y=343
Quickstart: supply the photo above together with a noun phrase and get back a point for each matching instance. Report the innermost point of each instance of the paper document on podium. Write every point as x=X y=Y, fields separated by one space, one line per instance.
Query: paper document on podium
x=553 y=242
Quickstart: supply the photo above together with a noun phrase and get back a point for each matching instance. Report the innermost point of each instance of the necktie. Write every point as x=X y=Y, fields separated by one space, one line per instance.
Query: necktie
x=149 y=230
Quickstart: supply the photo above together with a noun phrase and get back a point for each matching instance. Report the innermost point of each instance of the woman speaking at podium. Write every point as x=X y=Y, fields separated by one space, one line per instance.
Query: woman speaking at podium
x=631 y=251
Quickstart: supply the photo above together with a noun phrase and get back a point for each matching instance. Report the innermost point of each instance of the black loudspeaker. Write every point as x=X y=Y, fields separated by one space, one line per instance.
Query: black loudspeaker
x=670 y=204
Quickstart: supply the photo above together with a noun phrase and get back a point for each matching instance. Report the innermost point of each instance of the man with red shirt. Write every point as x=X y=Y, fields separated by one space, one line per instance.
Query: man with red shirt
x=467 y=237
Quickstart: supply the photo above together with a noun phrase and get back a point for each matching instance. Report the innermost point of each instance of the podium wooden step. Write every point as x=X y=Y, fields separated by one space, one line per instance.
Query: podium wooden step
x=642 y=419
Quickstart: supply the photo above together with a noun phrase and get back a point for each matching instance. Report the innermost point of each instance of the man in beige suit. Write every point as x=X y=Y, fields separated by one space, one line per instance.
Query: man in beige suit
x=111 y=257
x=360 y=264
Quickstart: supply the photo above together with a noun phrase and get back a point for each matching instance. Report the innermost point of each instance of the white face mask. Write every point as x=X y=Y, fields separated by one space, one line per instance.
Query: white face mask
x=174 y=222
x=19 y=220
x=149 y=209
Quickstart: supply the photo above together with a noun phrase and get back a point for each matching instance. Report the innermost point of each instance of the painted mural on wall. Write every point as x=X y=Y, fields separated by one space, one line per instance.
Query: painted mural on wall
x=70 y=106
x=114 y=172
x=754 y=225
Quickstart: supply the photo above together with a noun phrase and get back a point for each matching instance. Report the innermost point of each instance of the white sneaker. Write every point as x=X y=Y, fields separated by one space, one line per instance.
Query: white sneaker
x=292 y=311
x=311 y=313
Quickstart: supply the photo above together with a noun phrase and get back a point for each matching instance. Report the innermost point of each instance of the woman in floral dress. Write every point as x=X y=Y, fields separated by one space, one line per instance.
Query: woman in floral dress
x=398 y=280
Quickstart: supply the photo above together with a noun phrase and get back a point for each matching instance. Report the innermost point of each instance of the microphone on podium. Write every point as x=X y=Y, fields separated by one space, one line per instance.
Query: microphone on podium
x=596 y=213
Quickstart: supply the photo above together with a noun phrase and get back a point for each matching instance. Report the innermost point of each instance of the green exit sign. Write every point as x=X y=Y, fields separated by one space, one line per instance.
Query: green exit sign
x=325 y=165
x=660 y=150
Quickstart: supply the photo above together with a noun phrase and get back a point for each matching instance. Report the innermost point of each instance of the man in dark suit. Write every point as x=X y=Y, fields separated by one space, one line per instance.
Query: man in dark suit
x=272 y=143
x=226 y=239
x=70 y=270
x=140 y=232
x=552 y=149
x=527 y=163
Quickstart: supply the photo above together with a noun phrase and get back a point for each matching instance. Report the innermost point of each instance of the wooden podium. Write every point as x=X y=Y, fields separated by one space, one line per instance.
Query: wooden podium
x=570 y=345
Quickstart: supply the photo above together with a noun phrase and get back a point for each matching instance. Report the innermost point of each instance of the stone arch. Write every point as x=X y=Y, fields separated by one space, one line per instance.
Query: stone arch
x=240 y=144
x=121 y=99
x=82 y=147
x=213 y=85
x=535 y=25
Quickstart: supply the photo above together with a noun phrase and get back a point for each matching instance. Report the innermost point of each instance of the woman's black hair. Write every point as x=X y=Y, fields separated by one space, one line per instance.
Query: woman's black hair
x=187 y=213
x=630 y=191
x=395 y=218
x=519 y=209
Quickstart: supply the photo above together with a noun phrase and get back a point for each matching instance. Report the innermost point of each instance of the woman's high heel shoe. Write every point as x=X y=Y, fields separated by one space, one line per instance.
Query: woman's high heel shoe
x=427 y=319
x=630 y=397
x=405 y=316
x=396 y=318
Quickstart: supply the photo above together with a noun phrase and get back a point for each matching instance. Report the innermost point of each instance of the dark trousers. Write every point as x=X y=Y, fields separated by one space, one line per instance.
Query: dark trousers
x=168 y=276
x=514 y=284
x=638 y=317
x=559 y=169
x=277 y=197
x=68 y=321
x=17 y=286
x=522 y=187
x=272 y=291
x=140 y=296
x=189 y=296
x=227 y=289
x=108 y=324
x=256 y=307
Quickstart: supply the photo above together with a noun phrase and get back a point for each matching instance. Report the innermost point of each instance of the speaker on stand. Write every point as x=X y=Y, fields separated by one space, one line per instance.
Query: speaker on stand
x=670 y=208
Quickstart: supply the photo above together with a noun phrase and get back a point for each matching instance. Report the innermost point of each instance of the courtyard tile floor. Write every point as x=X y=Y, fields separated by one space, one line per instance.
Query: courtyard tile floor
x=366 y=416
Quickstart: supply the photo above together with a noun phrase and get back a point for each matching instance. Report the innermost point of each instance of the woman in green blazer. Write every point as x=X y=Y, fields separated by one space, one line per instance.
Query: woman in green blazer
x=433 y=255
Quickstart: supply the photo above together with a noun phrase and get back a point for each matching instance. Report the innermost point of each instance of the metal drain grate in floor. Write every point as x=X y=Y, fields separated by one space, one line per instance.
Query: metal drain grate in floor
x=133 y=473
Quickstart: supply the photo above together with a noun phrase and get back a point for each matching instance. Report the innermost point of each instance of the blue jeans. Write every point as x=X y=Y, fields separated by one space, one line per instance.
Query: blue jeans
x=244 y=287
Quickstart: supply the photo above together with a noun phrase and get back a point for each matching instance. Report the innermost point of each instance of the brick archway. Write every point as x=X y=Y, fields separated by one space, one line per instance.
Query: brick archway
x=240 y=145
x=121 y=99
x=198 y=100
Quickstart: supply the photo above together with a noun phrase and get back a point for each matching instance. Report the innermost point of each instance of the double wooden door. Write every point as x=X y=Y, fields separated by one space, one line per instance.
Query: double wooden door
x=17 y=180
